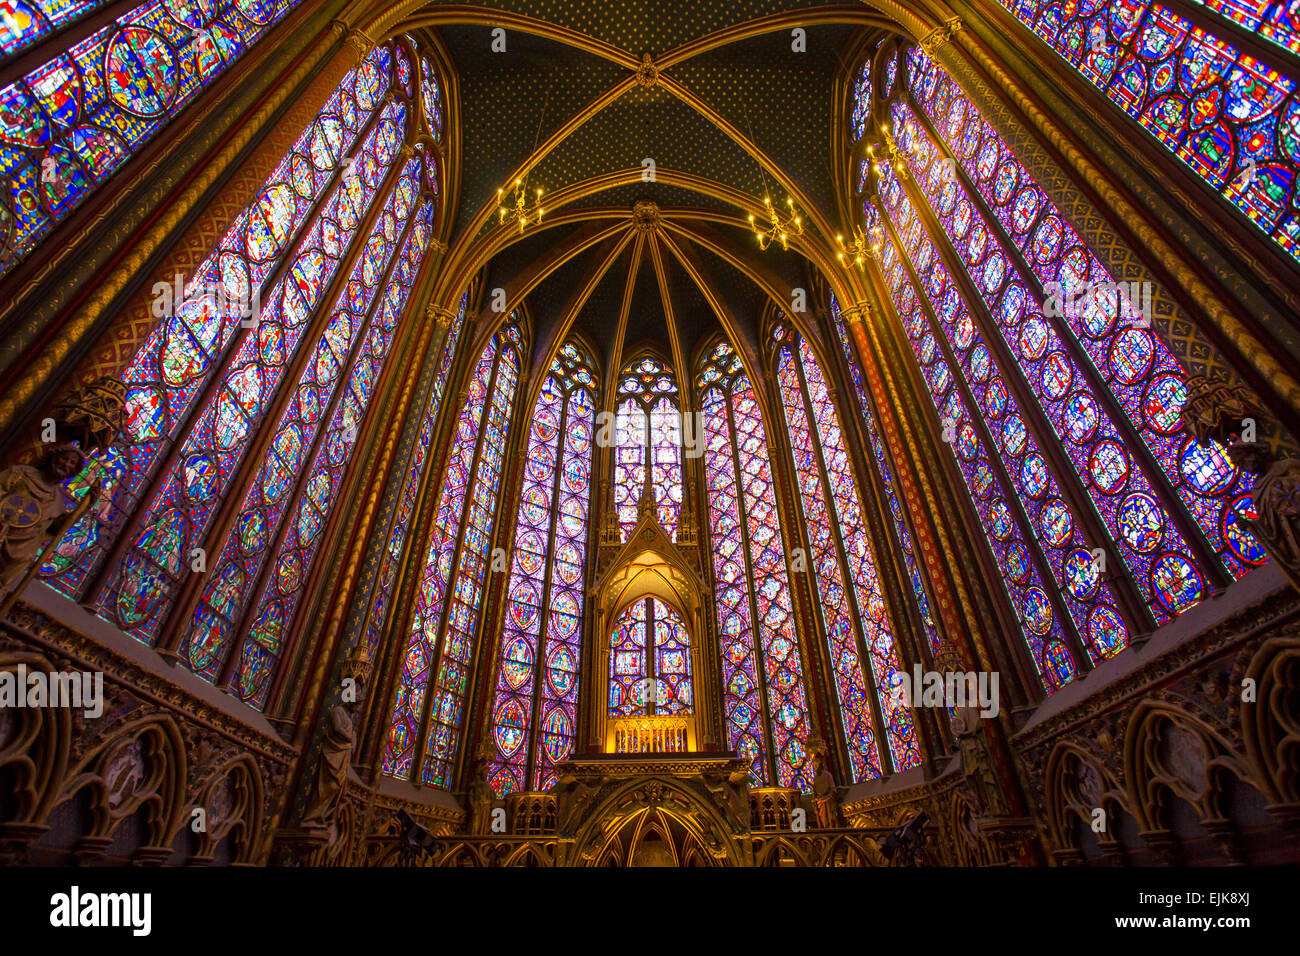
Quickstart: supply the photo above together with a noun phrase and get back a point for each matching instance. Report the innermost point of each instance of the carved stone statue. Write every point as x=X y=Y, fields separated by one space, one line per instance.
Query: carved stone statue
x=32 y=500
x=826 y=796
x=572 y=797
x=730 y=793
x=335 y=761
x=481 y=796
x=977 y=762
x=1216 y=411
x=1277 y=502
x=336 y=750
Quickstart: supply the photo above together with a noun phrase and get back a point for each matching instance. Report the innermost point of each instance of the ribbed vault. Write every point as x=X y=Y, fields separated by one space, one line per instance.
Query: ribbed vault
x=728 y=101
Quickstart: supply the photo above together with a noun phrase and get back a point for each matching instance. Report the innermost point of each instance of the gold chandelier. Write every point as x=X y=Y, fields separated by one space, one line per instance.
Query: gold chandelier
x=861 y=248
x=778 y=228
x=894 y=155
x=520 y=212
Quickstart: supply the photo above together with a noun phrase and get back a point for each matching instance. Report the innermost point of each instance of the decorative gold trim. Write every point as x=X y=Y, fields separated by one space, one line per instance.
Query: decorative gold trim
x=940 y=35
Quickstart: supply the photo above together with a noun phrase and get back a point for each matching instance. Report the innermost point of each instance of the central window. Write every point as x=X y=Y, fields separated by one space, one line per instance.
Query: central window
x=650 y=662
x=649 y=436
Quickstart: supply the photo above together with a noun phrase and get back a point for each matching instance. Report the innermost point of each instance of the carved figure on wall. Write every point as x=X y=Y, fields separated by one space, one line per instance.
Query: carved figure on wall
x=977 y=762
x=480 y=796
x=826 y=795
x=336 y=750
x=572 y=796
x=1216 y=411
x=34 y=507
x=1277 y=502
x=730 y=794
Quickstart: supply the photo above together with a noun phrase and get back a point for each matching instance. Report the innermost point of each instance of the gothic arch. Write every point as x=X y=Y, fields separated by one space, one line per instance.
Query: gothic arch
x=1270 y=724
x=35 y=747
x=657 y=794
x=141 y=767
x=232 y=797
x=527 y=855
x=1170 y=754
x=1076 y=784
x=771 y=854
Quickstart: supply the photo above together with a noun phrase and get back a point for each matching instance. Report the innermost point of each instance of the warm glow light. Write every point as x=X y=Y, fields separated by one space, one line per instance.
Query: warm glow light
x=520 y=213
x=778 y=229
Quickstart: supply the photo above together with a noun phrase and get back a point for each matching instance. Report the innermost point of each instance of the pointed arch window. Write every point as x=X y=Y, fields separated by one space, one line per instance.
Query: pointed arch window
x=429 y=705
x=254 y=343
x=534 y=710
x=1230 y=117
x=649 y=434
x=431 y=98
x=1146 y=380
x=1079 y=405
x=381 y=602
x=764 y=696
x=862 y=100
x=171 y=379
x=234 y=607
x=990 y=488
x=68 y=124
x=882 y=465
x=650 y=662
x=859 y=638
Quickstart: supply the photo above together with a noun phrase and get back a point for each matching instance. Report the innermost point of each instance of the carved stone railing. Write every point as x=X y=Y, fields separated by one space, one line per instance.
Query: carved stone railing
x=464 y=850
x=160 y=745
x=652 y=735
x=769 y=807
x=841 y=847
x=531 y=813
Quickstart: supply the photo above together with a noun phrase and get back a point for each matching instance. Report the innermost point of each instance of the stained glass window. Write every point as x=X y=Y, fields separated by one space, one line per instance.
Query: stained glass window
x=318 y=430
x=857 y=625
x=66 y=125
x=862 y=100
x=534 y=713
x=381 y=603
x=764 y=697
x=1040 y=624
x=650 y=662
x=1148 y=385
x=1120 y=488
x=1234 y=120
x=141 y=587
x=174 y=369
x=431 y=98
x=887 y=479
x=1078 y=370
x=24 y=21
x=648 y=430
x=432 y=682
x=891 y=74
x=252 y=342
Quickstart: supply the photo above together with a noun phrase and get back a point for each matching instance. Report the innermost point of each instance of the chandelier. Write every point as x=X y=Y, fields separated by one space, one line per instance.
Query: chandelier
x=894 y=155
x=861 y=248
x=778 y=228
x=521 y=212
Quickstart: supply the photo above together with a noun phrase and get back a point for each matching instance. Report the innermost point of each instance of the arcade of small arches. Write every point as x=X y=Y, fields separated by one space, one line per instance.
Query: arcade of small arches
x=407 y=531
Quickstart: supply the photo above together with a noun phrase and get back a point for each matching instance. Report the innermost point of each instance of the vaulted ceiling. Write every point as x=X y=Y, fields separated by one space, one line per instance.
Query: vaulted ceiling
x=728 y=112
